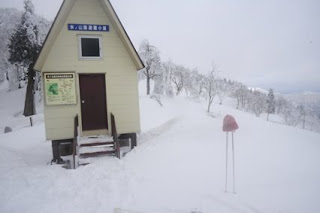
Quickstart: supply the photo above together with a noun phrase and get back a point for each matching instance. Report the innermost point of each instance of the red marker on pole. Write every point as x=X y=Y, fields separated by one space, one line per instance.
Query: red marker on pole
x=229 y=125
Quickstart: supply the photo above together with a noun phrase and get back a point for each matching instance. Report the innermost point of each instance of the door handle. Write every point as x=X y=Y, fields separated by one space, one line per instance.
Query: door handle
x=82 y=101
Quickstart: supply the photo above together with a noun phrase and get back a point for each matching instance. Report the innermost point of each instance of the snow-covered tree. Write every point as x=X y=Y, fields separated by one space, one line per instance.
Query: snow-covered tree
x=194 y=83
x=302 y=114
x=199 y=83
x=24 y=46
x=280 y=104
x=256 y=102
x=159 y=83
x=222 y=90
x=13 y=78
x=9 y=18
x=241 y=93
x=151 y=58
x=179 y=77
x=270 y=103
x=168 y=68
x=290 y=115
x=211 y=86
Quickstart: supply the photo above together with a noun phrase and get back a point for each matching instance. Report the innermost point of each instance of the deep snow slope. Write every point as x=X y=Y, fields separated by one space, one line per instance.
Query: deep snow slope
x=178 y=167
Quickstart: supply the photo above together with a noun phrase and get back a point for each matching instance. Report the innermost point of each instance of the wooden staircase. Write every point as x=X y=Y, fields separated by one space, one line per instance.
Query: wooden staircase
x=94 y=146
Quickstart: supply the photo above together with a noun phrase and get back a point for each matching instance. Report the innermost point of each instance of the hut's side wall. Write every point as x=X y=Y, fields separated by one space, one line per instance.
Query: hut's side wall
x=120 y=71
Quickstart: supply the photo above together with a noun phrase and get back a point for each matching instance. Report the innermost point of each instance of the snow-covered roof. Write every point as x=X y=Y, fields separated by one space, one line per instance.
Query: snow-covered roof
x=60 y=19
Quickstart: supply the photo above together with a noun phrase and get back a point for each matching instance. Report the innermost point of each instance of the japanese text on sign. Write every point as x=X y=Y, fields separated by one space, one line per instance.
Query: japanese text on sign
x=60 y=88
x=88 y=27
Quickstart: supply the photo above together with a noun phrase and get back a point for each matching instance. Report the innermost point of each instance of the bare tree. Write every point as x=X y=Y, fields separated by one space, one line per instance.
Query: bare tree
x=151 y=58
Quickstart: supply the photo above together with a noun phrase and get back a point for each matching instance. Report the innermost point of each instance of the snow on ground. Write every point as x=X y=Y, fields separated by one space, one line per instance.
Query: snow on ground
x=4 y=85
x=178 y=167
x=11 y=109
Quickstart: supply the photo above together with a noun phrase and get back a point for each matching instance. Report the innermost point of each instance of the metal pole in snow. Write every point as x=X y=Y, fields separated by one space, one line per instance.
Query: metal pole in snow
x=226 y=162
x=230 y=125
x=234 y=184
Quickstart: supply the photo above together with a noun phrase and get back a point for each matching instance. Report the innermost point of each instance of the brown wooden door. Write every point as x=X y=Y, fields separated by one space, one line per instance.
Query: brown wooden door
x=93 y=102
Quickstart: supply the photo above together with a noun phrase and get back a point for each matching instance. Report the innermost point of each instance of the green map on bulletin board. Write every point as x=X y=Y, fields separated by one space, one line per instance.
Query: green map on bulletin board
x=60 y=88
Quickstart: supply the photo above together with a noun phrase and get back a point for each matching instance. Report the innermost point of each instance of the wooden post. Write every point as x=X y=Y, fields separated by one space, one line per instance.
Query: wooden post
x=29 y=108
x=75 y=138
x=133 y=137
x=31 y=122
x=115 y=136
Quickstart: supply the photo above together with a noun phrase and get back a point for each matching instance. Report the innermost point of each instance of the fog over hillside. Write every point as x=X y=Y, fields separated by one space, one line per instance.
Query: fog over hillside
x=310 y=99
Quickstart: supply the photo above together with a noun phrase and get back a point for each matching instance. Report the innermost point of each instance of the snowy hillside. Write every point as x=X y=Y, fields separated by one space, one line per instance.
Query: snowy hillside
x=177 y=167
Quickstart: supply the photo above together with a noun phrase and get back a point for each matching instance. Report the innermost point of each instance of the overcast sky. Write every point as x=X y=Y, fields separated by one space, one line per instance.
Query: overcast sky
x=266 y=43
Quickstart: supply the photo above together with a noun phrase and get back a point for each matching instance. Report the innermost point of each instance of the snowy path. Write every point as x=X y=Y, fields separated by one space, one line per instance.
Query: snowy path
x=269 y=172
x=178 y=167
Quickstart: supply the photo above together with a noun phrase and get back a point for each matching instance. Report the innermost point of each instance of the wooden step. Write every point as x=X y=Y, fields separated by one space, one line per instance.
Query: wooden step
x=96 y=154
x=94 y=139
x=96 y=144
x=88 y=149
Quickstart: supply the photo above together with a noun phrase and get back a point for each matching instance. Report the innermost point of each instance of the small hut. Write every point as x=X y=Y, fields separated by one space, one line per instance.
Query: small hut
x=89 y=71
